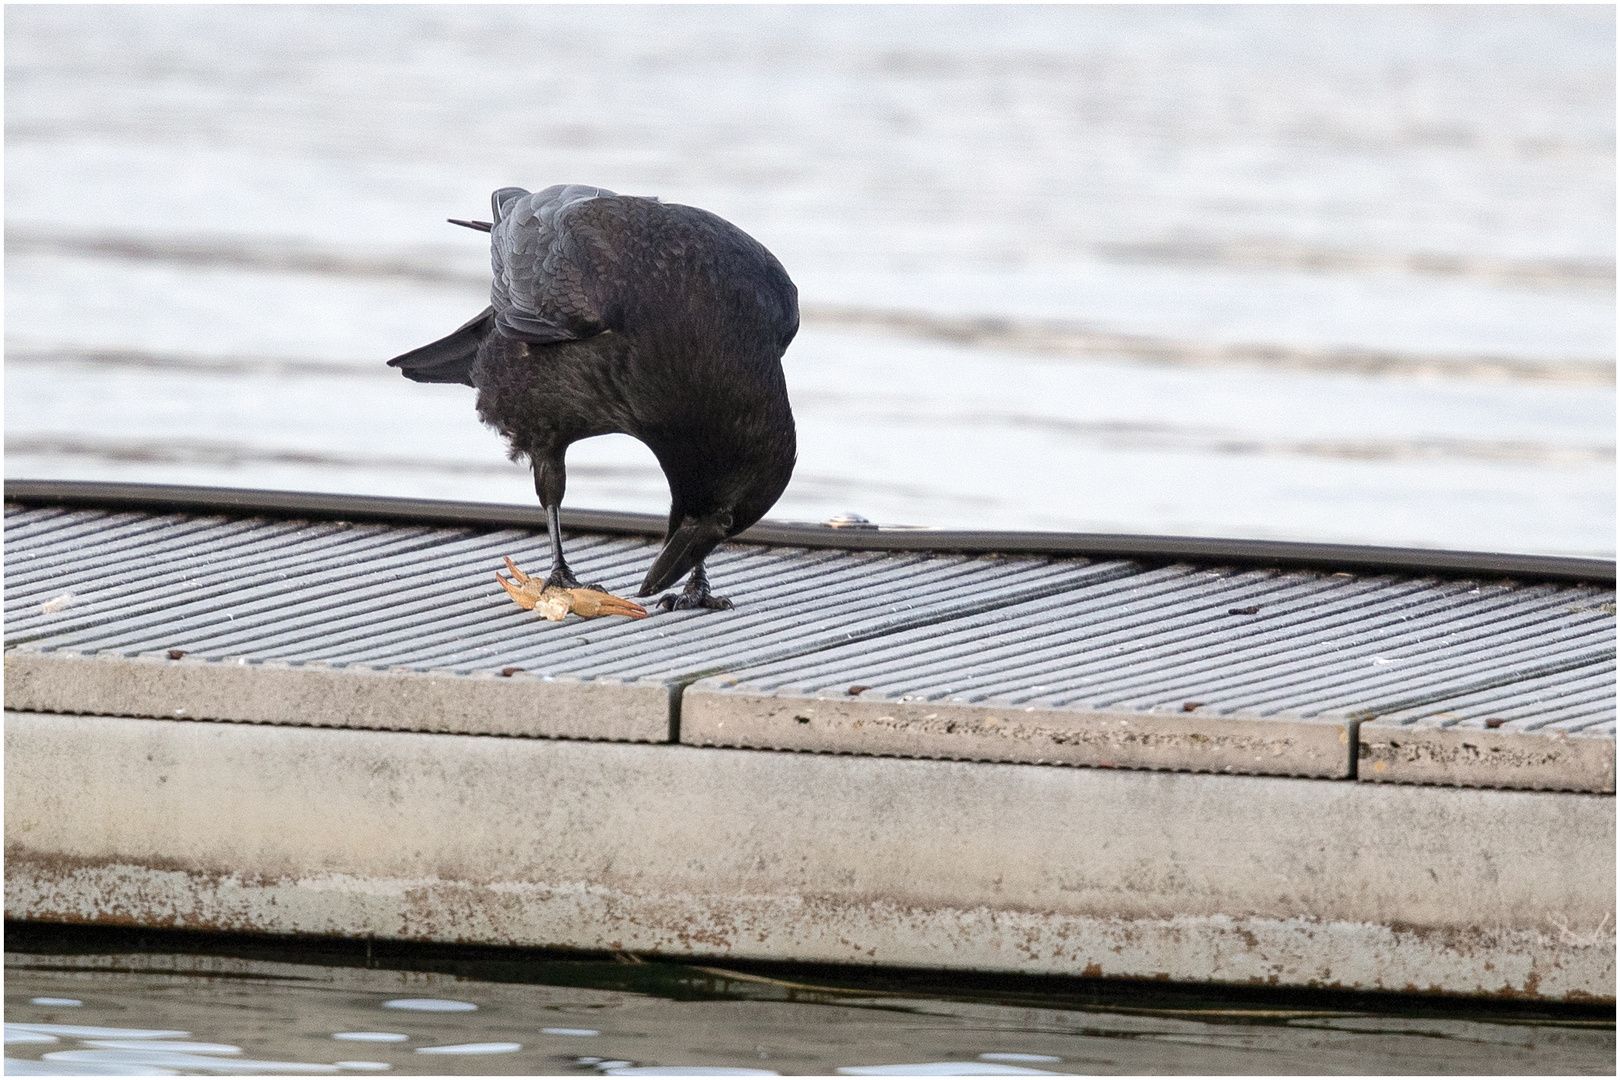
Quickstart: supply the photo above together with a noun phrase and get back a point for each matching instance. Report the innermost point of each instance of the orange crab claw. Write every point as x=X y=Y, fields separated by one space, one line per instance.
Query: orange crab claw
x=555 y=602
x=524 y=598
x=588 y=604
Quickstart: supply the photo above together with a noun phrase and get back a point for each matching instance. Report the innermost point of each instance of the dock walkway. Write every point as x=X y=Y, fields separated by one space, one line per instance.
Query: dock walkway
x=1305 y=764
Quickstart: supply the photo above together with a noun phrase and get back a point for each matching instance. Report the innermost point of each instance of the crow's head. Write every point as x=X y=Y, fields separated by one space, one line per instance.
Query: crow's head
x=716 y=494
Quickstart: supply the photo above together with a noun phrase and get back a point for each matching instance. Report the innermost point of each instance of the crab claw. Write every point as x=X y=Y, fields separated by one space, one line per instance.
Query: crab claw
x=521 y=588
x=588 y=604
x=555 y=602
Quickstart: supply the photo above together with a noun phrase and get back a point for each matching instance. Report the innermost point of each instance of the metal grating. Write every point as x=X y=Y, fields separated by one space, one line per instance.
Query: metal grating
x=1202 y=668
x=1573 y=703
x=1556 y=731
x=387 y=596
x=1259 y=642
x=1018 y=658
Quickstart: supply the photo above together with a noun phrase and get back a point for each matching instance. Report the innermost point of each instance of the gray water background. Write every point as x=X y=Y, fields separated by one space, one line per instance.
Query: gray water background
x=1313 y=273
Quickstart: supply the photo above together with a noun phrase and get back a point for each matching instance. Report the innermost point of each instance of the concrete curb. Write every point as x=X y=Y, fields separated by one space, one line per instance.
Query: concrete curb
x=352 y=697
x=698 y=852
x=713 y=715
x=1479 y=757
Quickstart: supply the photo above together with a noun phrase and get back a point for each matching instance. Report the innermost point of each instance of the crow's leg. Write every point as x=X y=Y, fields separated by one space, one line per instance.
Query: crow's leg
x=550 y=479
x=695 y=596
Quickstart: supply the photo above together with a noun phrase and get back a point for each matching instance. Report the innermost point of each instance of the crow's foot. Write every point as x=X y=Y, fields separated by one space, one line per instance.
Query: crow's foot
x=555 y=601
x=695 y=597
x=683 y=602
x=563 y=578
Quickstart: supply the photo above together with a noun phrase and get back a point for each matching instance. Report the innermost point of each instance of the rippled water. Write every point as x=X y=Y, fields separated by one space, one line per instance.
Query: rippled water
x=154 y=1013
x=1333 y=273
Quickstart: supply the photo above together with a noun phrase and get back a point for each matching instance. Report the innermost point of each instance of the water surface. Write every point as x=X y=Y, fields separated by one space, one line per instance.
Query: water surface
x=202 y=1013
x=1316 y=273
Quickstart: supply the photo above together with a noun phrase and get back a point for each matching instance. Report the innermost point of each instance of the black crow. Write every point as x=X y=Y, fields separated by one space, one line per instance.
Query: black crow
x=615 y=313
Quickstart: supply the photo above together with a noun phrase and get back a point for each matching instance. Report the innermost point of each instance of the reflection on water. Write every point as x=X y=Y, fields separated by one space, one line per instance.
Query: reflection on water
x=111 y=1007
x=472 y=1048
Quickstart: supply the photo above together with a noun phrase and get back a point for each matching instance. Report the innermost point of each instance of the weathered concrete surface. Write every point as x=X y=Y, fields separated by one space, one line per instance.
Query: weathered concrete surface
x=1479 y=757
x=695 y=851
x=712 y=714
x=354 y=697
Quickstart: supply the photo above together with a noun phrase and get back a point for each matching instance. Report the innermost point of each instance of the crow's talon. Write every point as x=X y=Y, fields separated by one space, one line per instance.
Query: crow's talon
x=563 y=578
x=688 y=602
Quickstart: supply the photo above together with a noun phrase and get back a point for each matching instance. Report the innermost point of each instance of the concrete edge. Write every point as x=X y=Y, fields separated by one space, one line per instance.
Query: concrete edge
x=684 y=851
x=1224 y=950
x=351 y=697
x=712 y=714
x=1404 y=754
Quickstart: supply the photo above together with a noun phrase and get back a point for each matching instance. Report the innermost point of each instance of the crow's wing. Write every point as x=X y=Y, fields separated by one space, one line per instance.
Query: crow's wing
x=552 y=263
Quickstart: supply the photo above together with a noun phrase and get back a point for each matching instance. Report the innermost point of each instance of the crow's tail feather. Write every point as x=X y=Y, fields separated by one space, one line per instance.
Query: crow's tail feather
x=450 y=359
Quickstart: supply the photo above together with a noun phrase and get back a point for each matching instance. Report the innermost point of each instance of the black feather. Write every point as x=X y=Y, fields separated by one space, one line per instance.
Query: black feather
x=613 y=313
x=450 y=359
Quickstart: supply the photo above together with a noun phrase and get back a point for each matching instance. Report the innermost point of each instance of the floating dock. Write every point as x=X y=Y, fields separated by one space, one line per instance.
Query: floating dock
x=1212 y=761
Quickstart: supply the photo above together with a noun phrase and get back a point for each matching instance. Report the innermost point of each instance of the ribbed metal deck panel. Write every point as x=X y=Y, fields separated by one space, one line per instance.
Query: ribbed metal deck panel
x=265 y=612
x=1555 y=731
x=387 y=597
x=1201 y=668
x=1105 y=661
x=1573 y=703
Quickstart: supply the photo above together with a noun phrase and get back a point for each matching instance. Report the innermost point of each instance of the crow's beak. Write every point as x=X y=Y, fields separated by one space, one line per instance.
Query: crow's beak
x=684 y=549
x=481 y=226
